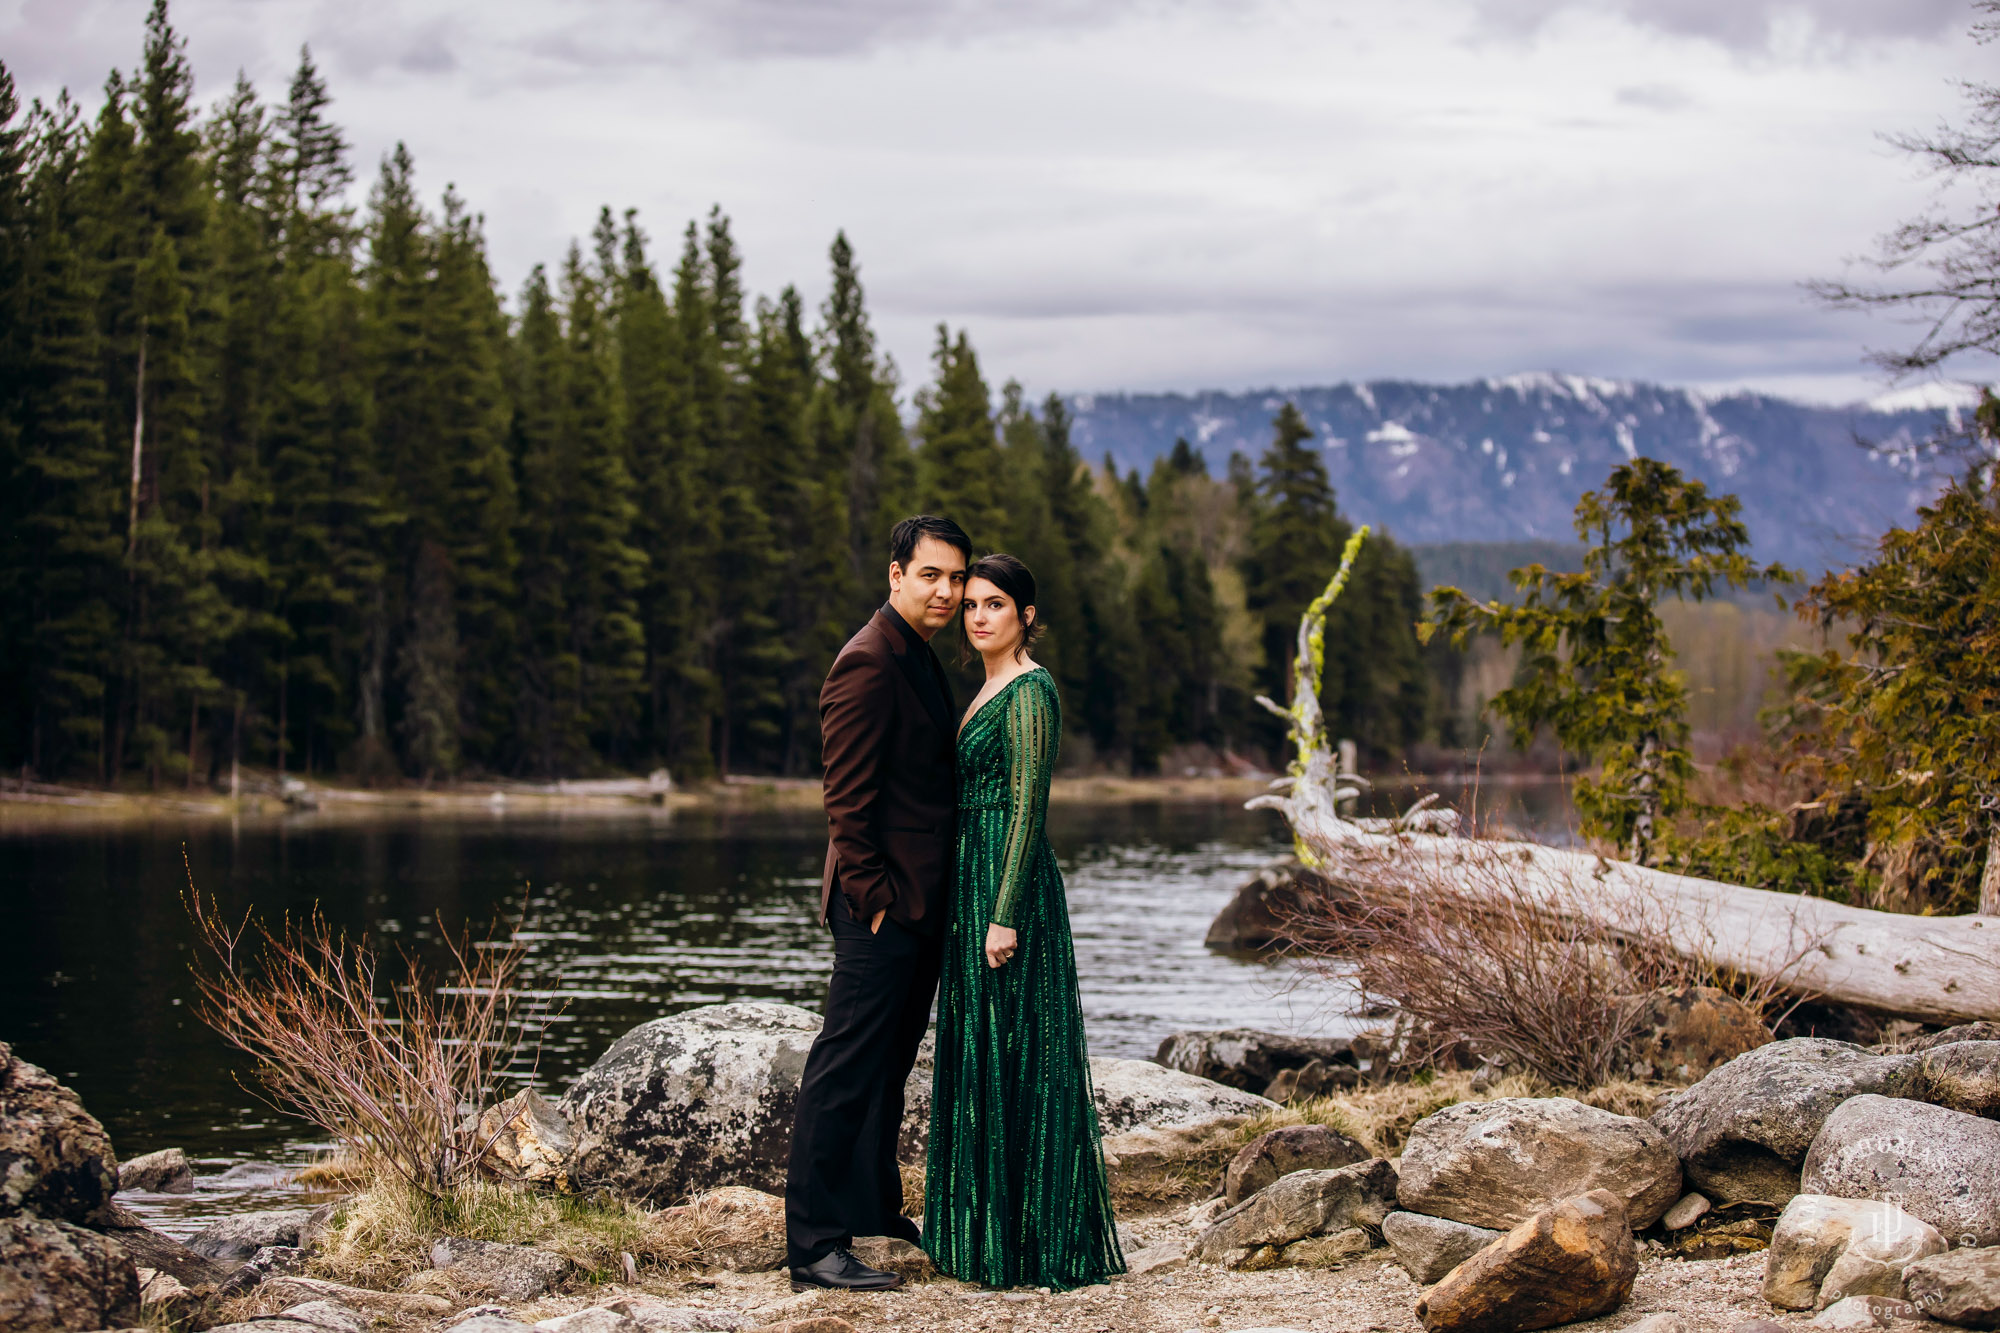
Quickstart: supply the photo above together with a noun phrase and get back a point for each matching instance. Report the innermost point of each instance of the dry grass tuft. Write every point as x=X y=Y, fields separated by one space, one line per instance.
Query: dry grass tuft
x=1488 y=957
x=382 y=1238
x=385 y=1069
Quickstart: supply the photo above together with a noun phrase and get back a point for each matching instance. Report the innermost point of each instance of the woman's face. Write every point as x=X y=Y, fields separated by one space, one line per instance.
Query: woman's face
x=992 y=621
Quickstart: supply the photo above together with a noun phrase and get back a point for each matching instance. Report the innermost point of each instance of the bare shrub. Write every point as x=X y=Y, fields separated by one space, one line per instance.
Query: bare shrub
x=388 y=1071
x=1481 y=956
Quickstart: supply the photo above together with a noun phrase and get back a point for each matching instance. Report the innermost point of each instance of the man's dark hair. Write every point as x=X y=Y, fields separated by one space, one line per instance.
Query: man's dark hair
x=903 y=538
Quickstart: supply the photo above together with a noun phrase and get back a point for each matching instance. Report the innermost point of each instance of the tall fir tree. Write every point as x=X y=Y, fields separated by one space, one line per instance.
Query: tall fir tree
x=958 y=459
x=857 y=429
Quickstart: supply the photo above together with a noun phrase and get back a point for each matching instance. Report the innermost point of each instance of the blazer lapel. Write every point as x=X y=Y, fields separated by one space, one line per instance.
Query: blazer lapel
x=915 y=660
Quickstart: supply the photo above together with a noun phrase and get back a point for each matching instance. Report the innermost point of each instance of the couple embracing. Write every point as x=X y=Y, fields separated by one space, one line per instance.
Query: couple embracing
x=939 y=881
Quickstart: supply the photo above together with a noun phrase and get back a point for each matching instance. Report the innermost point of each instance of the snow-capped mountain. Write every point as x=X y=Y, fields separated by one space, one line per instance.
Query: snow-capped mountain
x=1506 y=459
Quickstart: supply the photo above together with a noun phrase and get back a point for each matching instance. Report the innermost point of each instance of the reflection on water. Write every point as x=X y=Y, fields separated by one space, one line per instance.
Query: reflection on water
x=631 y=917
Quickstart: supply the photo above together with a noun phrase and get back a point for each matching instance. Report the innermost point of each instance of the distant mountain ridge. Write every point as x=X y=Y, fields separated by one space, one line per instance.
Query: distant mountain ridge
x=1505 y=459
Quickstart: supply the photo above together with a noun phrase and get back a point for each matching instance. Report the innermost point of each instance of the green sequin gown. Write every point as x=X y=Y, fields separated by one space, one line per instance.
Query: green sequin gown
x=1016 y=1194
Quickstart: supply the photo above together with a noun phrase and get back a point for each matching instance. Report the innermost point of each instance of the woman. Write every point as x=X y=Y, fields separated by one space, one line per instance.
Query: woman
x=1016 y=1193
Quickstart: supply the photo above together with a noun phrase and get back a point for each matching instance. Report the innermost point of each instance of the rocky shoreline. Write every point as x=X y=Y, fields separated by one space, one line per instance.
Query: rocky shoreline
x=1800 y=1183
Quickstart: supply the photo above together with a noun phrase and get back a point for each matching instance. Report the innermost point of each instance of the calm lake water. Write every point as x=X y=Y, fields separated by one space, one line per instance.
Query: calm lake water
x=631 y=916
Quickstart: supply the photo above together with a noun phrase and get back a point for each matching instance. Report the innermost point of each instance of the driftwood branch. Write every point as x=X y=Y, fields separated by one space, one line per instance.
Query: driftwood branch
x=1933 y=969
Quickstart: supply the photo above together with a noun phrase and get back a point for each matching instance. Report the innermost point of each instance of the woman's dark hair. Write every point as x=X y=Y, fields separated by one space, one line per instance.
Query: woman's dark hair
x=903 y=538
x=1010 y=576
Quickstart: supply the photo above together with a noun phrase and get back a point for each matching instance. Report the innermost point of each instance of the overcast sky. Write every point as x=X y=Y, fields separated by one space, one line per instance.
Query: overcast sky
x=1168 y=194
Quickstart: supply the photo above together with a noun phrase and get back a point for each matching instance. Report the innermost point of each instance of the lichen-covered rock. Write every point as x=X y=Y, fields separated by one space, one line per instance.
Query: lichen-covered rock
x=163 y=1172
x=56 y=1277
x=236 y=1239
x=701 y=1099
x=1572 y=1260
x=1297 y=1206
x=1816 y=1232
x=1961 y=1288
x=1247 y=1059
x=1279 y=1152
x=527 y=1139
x=1495 y=1164
x=55 y=1158
x=1429 y=1247
x=503 y=1272
x=1743 y=1131
x=1685 y=1032
x=1939 y=1164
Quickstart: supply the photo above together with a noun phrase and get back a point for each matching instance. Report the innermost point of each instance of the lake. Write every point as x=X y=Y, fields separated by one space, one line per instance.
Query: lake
x=630 y=916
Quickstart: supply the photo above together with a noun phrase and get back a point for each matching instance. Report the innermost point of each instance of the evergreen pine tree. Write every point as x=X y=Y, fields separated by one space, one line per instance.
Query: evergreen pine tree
x=958 y=461
x=668 y=527
x=63 y=553
x=857 y=428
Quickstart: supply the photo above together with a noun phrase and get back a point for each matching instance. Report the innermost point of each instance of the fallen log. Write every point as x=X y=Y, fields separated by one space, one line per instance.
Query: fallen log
x=1931 y=969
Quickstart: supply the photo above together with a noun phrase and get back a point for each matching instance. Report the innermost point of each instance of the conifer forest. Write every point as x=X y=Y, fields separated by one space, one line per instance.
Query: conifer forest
x=288 y=481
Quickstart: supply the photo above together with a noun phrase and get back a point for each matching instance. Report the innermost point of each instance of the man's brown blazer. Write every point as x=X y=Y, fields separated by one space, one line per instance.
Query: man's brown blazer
x=888 y=739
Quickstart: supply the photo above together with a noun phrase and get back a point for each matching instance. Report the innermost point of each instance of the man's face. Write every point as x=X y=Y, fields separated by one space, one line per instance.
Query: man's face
x=928 y=592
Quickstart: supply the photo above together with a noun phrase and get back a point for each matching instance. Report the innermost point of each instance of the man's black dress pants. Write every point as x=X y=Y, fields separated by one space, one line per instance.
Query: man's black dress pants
x=842 y=1180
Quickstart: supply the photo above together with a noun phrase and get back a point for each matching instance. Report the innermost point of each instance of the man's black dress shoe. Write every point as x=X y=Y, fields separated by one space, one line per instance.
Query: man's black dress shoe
x=902 y=1228
x=841 y=1271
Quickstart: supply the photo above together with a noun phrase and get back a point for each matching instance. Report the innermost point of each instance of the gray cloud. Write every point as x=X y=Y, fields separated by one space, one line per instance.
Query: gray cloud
x=1750 y=25
x=1158 y=193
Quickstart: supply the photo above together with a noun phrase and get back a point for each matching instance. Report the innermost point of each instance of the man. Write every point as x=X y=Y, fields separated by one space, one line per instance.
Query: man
x=888 y=735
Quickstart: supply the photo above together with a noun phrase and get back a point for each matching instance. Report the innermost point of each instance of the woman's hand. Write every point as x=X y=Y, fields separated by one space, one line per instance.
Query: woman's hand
x=1001 y=941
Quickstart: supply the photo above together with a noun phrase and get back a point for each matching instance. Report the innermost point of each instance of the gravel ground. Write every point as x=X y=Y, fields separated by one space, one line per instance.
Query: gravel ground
x=1369 y=1295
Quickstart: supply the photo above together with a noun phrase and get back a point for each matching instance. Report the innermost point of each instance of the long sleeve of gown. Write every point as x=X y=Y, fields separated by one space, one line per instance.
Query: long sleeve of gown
x=1032 y=729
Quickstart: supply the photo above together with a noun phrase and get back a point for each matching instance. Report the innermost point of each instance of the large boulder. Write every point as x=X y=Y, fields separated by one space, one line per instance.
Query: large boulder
x=1279 y=1152
x=1870 y=1241
x=1743 y=1131
x=1496 y=1164
x=1301 y=1205
x=57 y=1277
x=1246 y=1058
x=1685 y=1032
x=700 y=1099
x=1429 y=1247
x=1961 y=1288
x=1573 y=1260
x=1939 y=1164
x=705 y=1099
x=55 y=1159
